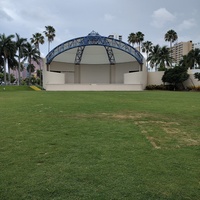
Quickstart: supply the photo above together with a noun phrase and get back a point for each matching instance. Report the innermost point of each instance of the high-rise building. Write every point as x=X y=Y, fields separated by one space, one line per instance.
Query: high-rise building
x=180 y=49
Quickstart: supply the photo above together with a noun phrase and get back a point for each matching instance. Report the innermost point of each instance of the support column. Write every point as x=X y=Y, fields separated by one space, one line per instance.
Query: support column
x=79 y=54
x=48 y=67
x=77 y=74
x=112 y=74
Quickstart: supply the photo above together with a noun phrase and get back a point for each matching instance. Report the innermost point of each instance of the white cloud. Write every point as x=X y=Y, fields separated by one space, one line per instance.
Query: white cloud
x=109 y=17
x=161 y=17
x=187 y=24
x=5 y=15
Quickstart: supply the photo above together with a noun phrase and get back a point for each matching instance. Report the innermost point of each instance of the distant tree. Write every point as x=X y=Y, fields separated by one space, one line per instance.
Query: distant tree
x=132 y=39
x=50 y=34
x=194 y=57
x=1 y=60
x=12 y=63
x=147 y=47
x=32 y=54
x=175 y=76
x=38 y=39
x=20 y=45
x=164 y=59
x=153 y=57
x=160 y=57
x=39 y=73
x=7 y=49
x=30 y=68
x=171 y=36
x=186 y=61
x=139 y=38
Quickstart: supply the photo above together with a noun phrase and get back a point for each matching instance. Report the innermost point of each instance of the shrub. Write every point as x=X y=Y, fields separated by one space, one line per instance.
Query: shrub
x=194 y=88
x=156 y=87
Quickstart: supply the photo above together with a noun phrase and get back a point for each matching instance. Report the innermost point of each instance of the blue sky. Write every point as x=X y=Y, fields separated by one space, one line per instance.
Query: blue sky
x=75 y=18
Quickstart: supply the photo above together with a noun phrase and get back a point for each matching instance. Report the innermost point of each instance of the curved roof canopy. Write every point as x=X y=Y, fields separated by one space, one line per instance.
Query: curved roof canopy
x=97 y=47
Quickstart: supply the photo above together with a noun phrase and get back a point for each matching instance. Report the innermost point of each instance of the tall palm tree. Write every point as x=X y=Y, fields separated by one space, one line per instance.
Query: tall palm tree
x=31 y=54
x=50 y=34
x=132 y=39
x=146 y=47
x=8 y=50
x=139 y=38
x=1 y=60
x=20 y=45
x=12 y=63
x=38 y=39
x=171 y=36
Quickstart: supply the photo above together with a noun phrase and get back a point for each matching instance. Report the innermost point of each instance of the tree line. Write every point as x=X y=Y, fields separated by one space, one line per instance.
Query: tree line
x=161 y=58
x=16 y=50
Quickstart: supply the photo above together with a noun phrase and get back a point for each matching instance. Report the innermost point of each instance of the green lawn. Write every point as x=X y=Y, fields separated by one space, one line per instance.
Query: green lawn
x=99 y=145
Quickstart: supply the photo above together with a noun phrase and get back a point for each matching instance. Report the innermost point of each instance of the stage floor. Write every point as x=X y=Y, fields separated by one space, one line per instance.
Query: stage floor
x=94 y=87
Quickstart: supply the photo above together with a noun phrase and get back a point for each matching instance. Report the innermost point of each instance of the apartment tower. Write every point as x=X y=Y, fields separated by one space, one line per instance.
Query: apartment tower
x=180 y=49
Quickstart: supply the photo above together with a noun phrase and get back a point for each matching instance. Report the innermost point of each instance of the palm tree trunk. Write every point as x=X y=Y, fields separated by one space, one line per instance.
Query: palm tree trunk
x=40 y=67
x=40 y=74
x=4 y=71
x=48 y=47
x=171 y=48
x=9 y=79
x=139 y=46
x=18 y=81
x=29 y=73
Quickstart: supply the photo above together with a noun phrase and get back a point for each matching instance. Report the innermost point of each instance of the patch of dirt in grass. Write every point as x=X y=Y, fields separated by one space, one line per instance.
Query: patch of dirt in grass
x=153 y=142
x=129 y=116
x=117 y=116
x=161 y=133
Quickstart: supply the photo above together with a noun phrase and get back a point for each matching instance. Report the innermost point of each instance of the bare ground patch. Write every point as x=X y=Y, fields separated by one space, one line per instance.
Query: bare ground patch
x=161 y=133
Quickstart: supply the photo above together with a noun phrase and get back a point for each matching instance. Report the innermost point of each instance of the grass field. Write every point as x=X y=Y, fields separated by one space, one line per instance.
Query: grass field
x=99 y=145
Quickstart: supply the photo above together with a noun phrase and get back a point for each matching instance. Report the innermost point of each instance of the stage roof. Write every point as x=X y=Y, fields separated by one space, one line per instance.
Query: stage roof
x=94 y=49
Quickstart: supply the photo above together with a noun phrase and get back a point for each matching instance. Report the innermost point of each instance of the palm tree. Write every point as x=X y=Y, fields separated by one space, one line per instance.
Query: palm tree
x=1 y=60
x=50 y=34
x=194 y=57
x=171 y=36
x=146 y=47
x=38 y=39
x=185 y=61
x=165 y=59
x=12 y=64
x=132 y=39
x=139 y=38
x=32 y=54
x=8 y=49
x=154 y=56
x=160 y=56
x=20 y=44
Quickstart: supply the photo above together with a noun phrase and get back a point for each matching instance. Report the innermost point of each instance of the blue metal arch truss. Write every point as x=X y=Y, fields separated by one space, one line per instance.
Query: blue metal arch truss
x=94 y=39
